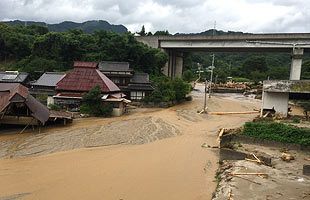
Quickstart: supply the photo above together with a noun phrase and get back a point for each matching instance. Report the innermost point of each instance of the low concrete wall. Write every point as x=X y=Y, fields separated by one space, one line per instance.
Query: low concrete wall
x=276 y=101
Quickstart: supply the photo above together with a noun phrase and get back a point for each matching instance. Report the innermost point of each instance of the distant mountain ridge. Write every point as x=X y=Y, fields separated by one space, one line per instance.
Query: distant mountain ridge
x=215 y=32
x=87 y=27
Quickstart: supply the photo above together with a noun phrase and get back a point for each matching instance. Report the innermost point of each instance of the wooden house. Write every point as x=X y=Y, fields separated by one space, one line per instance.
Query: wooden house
x=45 y=86
x=85 y=76
x=17 y=106
x=118 y=72
x=135 y=85
x=14 y=77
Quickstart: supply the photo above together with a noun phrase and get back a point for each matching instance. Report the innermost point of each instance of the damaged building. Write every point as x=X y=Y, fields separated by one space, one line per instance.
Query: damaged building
x=18 y=107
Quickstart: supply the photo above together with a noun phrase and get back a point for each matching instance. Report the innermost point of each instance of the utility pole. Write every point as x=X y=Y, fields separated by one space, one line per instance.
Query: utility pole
x=213 y=33
x=211 y=76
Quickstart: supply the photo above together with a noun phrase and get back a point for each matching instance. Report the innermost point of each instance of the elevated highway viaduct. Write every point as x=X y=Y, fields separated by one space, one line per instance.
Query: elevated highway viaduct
x=295 y=43
x=175 y=46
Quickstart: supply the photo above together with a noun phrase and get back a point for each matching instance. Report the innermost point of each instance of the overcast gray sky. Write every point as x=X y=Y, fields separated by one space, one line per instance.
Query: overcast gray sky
x=257 y=16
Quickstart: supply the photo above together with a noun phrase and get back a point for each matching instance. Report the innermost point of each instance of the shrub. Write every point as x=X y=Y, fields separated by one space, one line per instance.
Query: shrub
x=92 y=104
x=188 y=76
x=54 y=107
x=168 y=90
x=240 y=79
x=277 y=132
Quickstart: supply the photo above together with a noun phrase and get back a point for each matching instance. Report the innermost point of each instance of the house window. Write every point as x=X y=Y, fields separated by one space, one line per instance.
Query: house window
x=137 y=95
x=115 y=80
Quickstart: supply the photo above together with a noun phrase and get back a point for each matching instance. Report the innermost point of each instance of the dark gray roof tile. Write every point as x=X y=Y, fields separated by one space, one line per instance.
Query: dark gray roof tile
x=49 y=79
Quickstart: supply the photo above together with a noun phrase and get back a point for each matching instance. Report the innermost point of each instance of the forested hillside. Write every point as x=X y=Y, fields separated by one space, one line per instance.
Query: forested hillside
x=35 y=49
x=87 y=27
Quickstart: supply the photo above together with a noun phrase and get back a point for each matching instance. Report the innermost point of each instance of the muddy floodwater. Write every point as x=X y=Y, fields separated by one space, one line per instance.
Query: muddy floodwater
x=147 y=154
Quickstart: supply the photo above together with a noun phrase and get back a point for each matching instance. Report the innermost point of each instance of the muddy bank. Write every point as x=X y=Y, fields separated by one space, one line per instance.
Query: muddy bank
x=281 y=180
x=133 y=131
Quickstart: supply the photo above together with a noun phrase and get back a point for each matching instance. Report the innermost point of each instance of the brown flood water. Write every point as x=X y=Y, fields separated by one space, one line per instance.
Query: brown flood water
x=165 y=168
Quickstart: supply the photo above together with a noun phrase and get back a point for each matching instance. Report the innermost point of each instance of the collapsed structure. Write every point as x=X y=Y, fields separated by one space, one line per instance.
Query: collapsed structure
x=17 y=106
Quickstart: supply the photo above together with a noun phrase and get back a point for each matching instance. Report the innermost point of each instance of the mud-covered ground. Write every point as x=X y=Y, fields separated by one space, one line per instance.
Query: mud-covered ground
x=147 y=154
x=130 y=131
x=284 y=180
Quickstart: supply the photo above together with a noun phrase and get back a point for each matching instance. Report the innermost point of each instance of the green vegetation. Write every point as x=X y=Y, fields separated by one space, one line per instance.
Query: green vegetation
x=54 y=107
x=92 y=104
x=35 y=49
x=87 y=27
x=188 y=76
x=168 y=90
x=251 y=66
x=277 y=132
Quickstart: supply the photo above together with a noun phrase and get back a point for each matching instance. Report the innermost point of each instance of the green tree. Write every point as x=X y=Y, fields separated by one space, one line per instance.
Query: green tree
x=180 y=88
x=188 y=76
x=305 y=70
x=92 y=104
x=142 y=32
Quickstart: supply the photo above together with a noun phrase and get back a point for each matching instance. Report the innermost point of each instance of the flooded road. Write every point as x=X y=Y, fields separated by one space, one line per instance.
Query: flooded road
x=149 y=154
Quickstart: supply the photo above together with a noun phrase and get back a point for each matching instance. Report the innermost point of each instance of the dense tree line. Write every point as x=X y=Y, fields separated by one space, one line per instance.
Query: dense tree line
x=252 y=66
x=34 y=48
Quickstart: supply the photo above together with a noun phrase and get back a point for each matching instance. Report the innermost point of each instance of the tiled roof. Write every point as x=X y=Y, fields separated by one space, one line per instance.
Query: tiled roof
x=85 y=64
x=49 y=79
x=139 y=77
x=140 y=87
x=13 y=77
x=83 y=79
x=109 y=66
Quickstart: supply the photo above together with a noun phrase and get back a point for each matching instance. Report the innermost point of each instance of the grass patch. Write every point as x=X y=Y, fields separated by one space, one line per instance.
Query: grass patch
x=277 y=132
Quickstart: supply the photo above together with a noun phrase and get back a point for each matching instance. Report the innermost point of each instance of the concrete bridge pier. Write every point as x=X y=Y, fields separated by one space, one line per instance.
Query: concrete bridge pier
x=296 y=63
x=174 y=66
x=278 y=100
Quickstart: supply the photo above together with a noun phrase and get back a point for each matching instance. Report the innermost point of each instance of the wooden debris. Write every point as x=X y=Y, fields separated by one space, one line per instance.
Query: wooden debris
x=251 y=160
x=265 y=115
x=222 y=131
x=307 y=159
x=247 y=179
x=247 y=173
x=230 y=113
x=287 y=157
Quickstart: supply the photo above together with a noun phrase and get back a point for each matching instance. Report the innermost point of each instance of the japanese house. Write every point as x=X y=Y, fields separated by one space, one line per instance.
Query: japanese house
x=140 y=86
x=134 y=84
x=14 y=77
x=45 y=86
x=118 y=72
x=85 y=76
